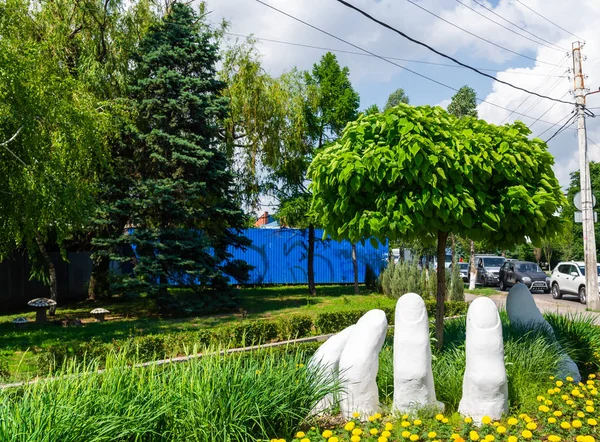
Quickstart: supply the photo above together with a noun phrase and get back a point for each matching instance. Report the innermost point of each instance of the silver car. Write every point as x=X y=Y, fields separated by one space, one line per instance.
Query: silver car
x=568 y=278
x=488 y=268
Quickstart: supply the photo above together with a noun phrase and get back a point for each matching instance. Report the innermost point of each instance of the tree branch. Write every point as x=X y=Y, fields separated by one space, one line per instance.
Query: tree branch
x=5 y=143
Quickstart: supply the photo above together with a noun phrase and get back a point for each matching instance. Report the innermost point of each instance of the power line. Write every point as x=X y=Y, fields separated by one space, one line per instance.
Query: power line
x=564 y=126
x=549 y=21
x=464 y=30
x=547 y=110
x=508 y=29
x=342 y=51
x=386 y=60
x=553 y=125
x=592 y=141
x=385 y=25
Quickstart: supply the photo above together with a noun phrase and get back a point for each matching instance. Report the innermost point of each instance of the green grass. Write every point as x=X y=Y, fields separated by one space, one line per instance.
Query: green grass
x=215 y=398
x=135 y=317
x=483 y=291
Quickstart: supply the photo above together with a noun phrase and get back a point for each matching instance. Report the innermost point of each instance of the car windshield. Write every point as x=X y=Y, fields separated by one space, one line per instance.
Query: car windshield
x=582 y=270
x=529 y=267
x=493 y=262
x=464 y=266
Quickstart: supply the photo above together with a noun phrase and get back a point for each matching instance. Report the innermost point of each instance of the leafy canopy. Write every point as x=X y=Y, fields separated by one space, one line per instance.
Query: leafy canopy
x=413 y=171
x=464 y=103
x=395 y=98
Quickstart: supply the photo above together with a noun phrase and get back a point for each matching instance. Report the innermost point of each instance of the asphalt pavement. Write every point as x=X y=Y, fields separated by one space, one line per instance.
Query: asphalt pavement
x=545 y=302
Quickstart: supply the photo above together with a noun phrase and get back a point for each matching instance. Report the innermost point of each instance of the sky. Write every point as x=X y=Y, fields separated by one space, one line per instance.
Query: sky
x=538 y=60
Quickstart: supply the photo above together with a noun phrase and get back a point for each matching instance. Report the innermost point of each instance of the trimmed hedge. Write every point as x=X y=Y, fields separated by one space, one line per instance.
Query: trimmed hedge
x=242 y=334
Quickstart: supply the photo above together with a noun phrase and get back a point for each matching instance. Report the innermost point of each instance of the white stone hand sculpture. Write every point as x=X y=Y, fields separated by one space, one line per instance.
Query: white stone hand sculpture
x=521 y=309
x=326 y=361
x=485 y=386
x=413 y=378
x=359 y=363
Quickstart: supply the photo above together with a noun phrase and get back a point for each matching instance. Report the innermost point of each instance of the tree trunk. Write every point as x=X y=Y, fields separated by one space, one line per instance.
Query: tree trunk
x=355 y=267
x=51 y=273
x=311 y=260
x=472 y=268
x=441 y=288
x=99 y=281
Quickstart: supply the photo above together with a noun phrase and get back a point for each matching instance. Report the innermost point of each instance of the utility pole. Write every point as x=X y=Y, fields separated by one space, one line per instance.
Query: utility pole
x=587 y=215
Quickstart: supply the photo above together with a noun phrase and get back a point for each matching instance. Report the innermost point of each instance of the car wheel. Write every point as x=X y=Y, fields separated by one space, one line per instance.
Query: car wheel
x=582 y=298
x=502 y=286
x=556 y=291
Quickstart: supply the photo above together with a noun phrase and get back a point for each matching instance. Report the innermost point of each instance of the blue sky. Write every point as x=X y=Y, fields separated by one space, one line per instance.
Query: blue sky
x=375 y=79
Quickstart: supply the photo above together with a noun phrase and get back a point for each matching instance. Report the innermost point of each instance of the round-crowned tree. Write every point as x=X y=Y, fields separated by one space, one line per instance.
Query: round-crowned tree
x=420 y=173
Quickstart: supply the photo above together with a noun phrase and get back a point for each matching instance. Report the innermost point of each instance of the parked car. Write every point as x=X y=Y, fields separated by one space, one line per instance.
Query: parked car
x=463 y=268
x=529 y=273
x=568 y=278
x=488 y=268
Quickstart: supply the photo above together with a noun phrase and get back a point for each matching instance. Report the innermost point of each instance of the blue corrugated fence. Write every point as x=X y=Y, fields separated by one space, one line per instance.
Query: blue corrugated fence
x=279 y=256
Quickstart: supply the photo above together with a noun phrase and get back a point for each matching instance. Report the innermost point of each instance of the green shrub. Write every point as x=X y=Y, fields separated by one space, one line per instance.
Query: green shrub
x=294 y=327
x=457 y=286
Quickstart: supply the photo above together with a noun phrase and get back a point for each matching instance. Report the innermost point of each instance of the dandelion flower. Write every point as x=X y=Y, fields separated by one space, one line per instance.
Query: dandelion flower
x=373 y=431
x=526 y=434
x=327 y=434
x=389 y=426
x=551 y=420
x=357 y=432
x=382 y=439
x=473 y=435
x=576 y=423
x=565 y=425
x=300 y=434
x=592 y=422
x=468 y=420
x=512 y=439
x=355 y=439
x=501 y=430
x=406 y=434
x=349 y=426
x=553 y=438
x=414 y=437
x=486 y=420
x=432 y=435
x=512 y=421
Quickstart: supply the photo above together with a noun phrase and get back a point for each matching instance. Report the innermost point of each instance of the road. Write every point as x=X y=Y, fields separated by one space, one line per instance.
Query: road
x=569 y=304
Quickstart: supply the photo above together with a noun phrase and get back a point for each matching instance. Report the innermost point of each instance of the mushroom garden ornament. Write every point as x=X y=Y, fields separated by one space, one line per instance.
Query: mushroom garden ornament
x=41 y=305
x=20 y=321
x=99 y=313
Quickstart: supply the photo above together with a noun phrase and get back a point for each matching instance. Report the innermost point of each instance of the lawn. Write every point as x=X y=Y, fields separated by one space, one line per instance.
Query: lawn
x=134 y=317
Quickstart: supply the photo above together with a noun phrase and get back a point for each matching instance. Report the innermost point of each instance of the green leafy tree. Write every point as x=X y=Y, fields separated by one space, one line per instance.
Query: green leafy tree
x=373 y=109
x=417 y=172
x=395 y=98
x=180 y=203
x=464 y=104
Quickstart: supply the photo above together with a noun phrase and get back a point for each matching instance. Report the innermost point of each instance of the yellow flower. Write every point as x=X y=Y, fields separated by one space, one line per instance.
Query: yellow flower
x=531 y=426
x=575 y=392
x=564 y=397
x=592 y=422
x=386 y=433
x=300 y=434
x=355 y=439
x=592 y=376
x=512 y=439
x=454 y=436
x=569 y=378
x=559 y=383
x=445 y=420
x=553 y=438
x=570 y=402
x=417 y=422
x=373 y=431
x=414 y=437
x=377 y=416
x=526 y=434
x=501 y=429
x=389 y=426
x=512 y=421
x=468 y=420
x=486 y=420
x=355 y=414
x=543 y=409
x=589 y=439
x=541 y=398
x=327 y=434
x=356 y=432
x=548 y=402
x=405 y=424
x=473 y=435
x=565 y=425
x=382 y=439
x=306 y=439
x=527 y=419
x=589 y=409
x=551 y=420
x=406 y=434
x=349 y=426
x=557 y=413
x=333 y=439
x=371 y=418
x=439 y=417
x=576 y=423
x=432 y=435
x=580 y=414
x=490 y=438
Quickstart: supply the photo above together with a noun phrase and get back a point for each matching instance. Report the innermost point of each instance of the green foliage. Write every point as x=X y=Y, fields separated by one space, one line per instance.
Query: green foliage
x=457 y=286
x=211 y=399
x=373 y=109
x=475 y=178
x=407 y=277
x=464 y=103
x=395 y=98
x=181 y=202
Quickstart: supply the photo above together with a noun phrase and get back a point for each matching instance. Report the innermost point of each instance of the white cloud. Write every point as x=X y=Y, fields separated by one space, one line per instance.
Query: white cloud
x=444 y=103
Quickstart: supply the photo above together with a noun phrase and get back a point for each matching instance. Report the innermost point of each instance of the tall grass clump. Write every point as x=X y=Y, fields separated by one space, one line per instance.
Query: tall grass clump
x=239 y=397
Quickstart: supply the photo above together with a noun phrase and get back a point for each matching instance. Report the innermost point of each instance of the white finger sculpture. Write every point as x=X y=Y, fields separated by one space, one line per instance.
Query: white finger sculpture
x=521 y=309
x=326 y=361
x=413 y=378
x=359 y=363
x=485 y=386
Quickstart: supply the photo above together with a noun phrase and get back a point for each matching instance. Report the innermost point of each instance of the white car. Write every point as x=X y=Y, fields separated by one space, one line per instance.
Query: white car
x=568 y=278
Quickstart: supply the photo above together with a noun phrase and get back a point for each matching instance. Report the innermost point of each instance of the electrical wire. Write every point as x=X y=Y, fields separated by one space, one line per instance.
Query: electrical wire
x=385 y=25
x=547 y=110
x=549 y=21
x=592 y=141
x=517 y=26
x=553 y=125
x=342 y=51
x=508 y=29
x=467 y=31
x=386 y=60
x=564 y=126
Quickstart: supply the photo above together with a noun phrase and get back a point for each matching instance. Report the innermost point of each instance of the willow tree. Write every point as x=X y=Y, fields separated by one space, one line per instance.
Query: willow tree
x=419 y=173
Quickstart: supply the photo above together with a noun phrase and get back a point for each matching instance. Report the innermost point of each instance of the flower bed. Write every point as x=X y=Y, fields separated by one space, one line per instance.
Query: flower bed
x=566 y=412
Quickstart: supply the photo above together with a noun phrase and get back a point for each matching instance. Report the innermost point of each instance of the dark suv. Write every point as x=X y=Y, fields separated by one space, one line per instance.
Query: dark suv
x=529 y=273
